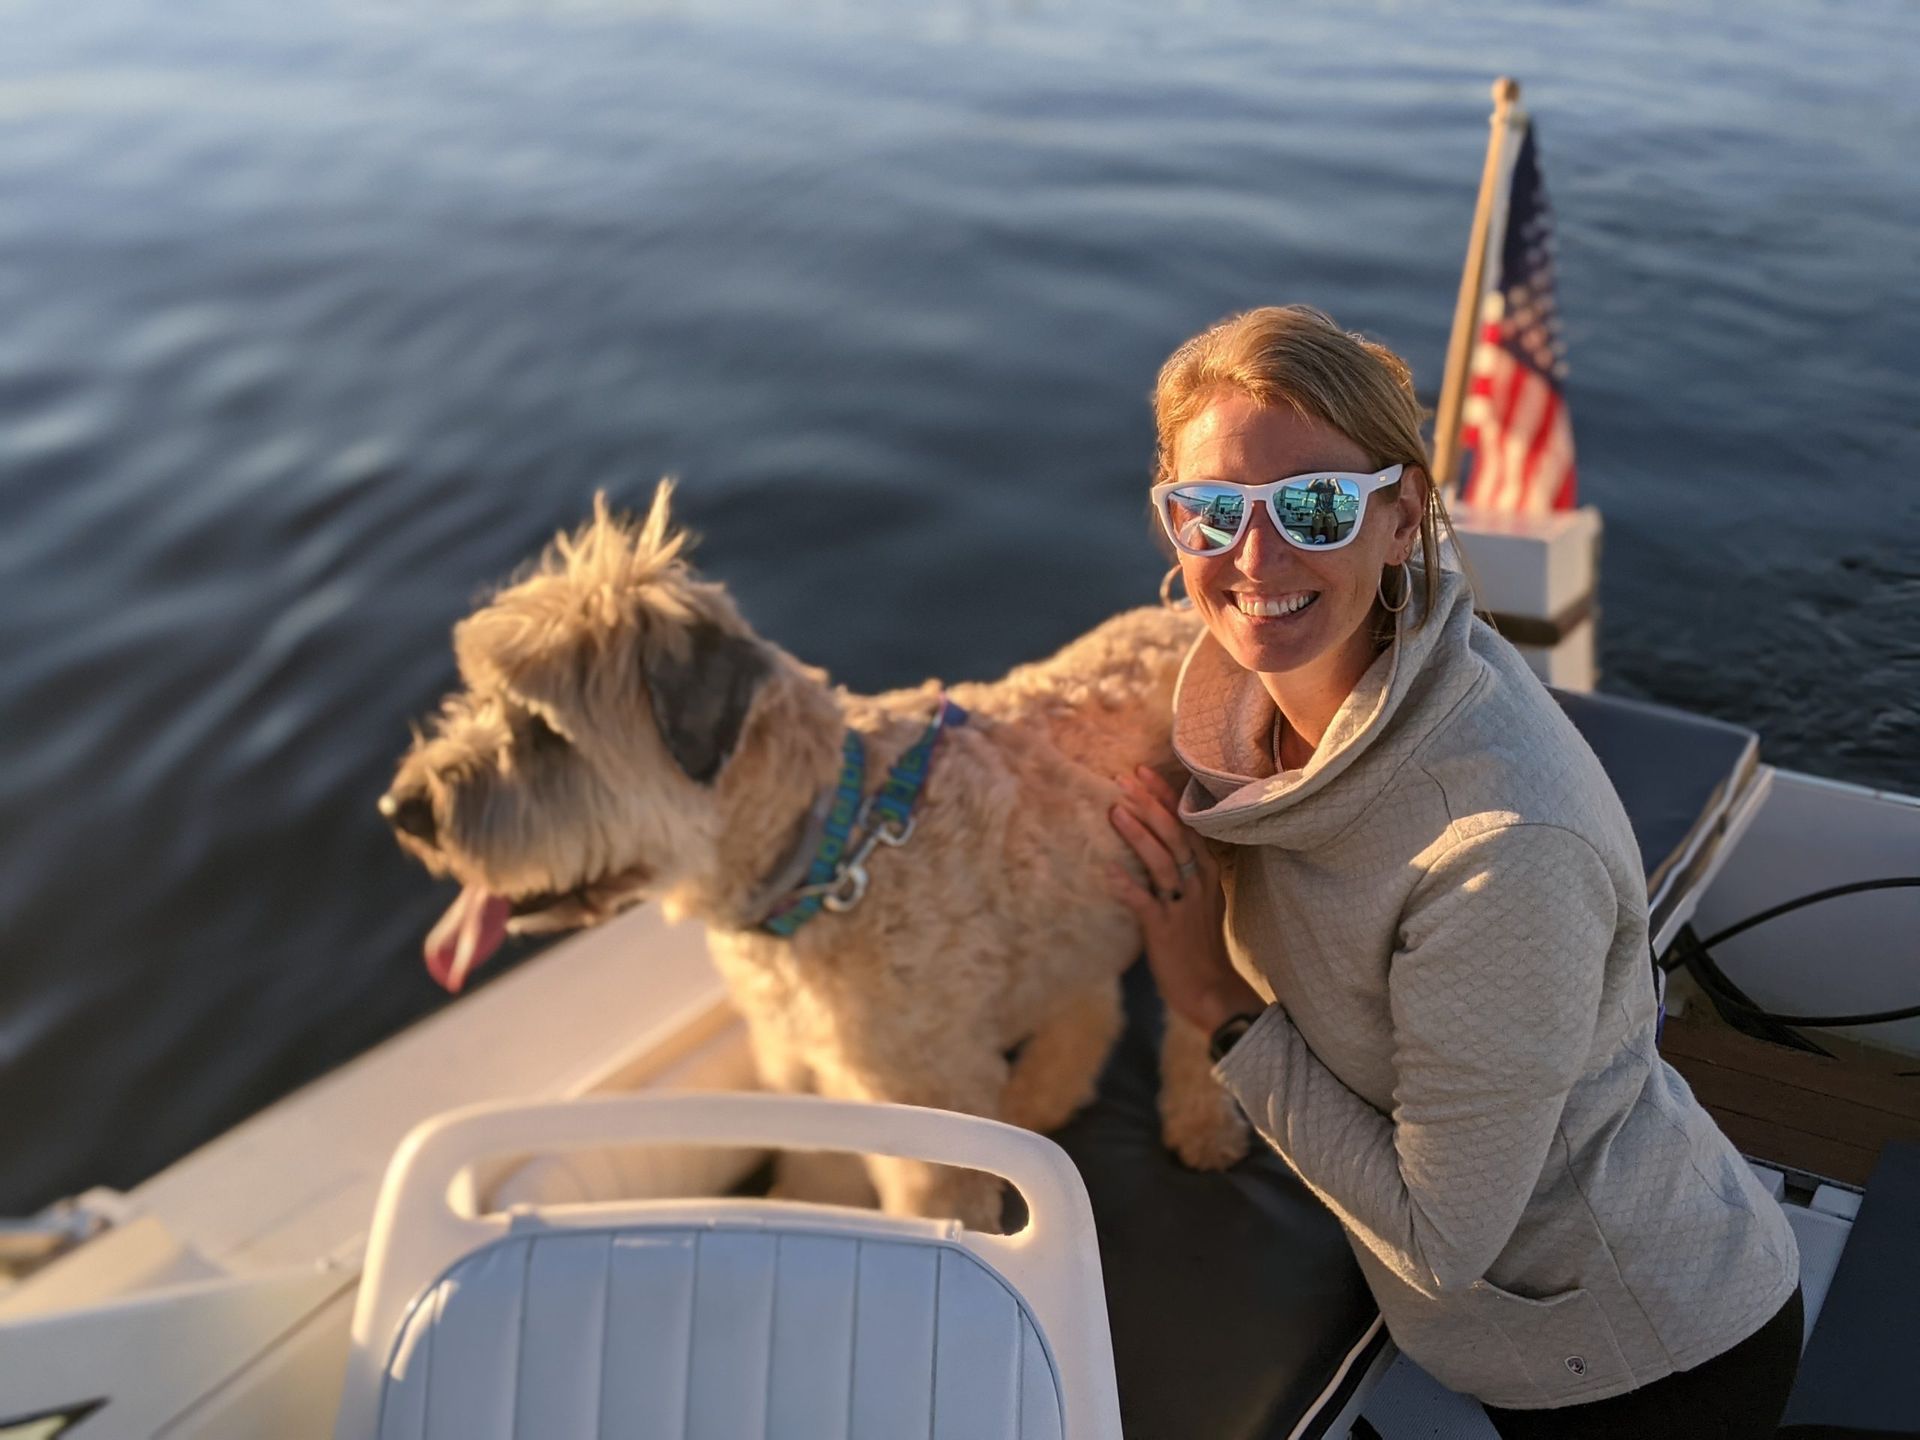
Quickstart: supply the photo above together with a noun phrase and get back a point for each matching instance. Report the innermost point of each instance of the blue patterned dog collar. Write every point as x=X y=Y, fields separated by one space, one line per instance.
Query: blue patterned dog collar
x=837 y=879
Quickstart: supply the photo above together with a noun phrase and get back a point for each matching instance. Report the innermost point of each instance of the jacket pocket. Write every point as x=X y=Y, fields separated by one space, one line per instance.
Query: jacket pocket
x=1563 y=1342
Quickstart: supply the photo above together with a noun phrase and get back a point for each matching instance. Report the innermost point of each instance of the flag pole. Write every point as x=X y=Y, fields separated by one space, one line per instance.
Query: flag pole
x=1466 y=309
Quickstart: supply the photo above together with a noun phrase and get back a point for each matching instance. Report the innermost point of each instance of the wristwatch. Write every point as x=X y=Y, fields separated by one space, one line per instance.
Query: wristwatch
x=1228 y=1032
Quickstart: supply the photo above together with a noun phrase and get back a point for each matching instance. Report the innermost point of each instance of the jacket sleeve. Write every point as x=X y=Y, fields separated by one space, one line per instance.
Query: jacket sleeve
x=1494 y=995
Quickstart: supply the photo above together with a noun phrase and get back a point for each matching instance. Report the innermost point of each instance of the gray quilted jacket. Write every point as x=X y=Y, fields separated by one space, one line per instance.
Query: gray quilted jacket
x=1448 y=909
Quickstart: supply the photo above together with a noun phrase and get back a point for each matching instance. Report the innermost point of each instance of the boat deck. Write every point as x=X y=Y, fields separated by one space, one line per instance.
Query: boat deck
x=1812 y=1113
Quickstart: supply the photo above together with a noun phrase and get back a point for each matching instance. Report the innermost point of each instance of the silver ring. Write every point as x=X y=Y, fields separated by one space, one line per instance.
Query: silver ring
x=1188 y=866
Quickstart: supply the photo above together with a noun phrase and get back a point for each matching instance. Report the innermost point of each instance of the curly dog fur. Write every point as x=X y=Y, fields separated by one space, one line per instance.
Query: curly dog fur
x=623 y=734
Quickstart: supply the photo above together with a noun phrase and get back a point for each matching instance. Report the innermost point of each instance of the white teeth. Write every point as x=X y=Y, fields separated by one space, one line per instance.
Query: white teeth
x=1287 y=605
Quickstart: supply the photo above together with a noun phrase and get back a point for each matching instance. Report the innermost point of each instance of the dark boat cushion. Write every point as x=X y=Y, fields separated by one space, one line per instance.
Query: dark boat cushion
x=1677 y=775
x=1856 y=1377
x=1233 y=1298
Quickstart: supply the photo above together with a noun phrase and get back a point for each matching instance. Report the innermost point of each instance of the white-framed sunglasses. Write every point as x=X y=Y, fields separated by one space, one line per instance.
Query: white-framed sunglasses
x=1317 y=511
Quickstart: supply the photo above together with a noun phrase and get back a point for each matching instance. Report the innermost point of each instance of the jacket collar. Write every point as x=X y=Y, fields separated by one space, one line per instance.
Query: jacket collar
x=1223 y=721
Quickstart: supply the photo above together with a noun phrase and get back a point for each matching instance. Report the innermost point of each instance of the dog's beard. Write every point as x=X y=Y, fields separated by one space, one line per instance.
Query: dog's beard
x=476 y=923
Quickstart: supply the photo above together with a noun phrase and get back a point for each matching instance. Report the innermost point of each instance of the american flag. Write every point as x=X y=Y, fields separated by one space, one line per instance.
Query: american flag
x=1515 y=419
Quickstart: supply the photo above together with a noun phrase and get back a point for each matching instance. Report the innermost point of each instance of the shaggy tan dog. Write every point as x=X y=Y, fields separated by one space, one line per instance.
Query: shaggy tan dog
x=625 y=735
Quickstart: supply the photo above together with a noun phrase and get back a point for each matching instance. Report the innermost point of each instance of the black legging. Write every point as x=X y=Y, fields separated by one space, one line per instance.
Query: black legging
x=1737 y=1395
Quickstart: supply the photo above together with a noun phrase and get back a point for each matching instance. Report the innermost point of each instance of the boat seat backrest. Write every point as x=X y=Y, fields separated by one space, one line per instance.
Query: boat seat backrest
x=698 y=1333
x=724 y=1316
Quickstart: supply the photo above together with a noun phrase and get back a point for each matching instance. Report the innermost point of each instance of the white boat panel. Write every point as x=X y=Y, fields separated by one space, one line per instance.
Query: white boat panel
x=1541 y=569
x=1846 y=956
x=1534 y=565
x=1572 y=664
x=1832 y=1200
x=141 y=1254
x=1821 y=1238
x=288 y=1390
x=1709 y=851
x=1771 y=1180
x=299 y=1179
x=156 y=1357
x=636 y=1001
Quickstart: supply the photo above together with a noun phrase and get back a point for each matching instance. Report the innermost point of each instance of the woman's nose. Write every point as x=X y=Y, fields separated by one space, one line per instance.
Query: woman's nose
x=1262 y=547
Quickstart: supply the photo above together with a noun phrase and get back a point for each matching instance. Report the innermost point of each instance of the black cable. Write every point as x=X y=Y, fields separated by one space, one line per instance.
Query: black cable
x=1730 y=1002
x=1852 y=887
x=1726 y=995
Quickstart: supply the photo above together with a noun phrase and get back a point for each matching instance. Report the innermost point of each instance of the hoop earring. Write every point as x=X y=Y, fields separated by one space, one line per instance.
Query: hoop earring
x=1185 y=602
x=1406 y=589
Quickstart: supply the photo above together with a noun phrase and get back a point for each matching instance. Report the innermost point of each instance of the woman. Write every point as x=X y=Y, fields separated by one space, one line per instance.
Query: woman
x=1426 y=972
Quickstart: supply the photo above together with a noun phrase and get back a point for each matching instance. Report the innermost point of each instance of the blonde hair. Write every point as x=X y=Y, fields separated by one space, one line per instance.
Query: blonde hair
x=1295 y=355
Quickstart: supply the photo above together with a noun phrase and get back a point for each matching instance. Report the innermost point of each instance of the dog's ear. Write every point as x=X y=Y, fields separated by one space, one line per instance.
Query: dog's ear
x=700 y=696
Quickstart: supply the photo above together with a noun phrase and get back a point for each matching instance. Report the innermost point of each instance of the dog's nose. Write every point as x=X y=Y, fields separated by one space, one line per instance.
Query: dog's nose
x=412 y=814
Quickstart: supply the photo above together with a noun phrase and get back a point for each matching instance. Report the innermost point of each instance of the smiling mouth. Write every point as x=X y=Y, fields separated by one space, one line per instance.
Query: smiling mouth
x=1274 y=607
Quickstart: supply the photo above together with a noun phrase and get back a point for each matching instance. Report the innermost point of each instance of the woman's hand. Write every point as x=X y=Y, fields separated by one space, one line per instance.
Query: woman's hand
x=1183 y=916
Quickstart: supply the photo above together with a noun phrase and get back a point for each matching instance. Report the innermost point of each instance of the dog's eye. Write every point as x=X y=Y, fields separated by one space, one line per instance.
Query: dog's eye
x=541 y=736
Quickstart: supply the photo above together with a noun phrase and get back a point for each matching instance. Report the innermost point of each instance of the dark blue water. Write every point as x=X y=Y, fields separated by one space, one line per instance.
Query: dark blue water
x=314 y=320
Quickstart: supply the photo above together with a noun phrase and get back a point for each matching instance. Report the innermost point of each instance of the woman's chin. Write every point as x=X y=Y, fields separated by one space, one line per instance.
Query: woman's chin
x=1274 y=644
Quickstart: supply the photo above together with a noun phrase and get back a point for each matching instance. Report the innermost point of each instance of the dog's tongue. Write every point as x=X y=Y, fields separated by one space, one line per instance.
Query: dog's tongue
x=467 y=934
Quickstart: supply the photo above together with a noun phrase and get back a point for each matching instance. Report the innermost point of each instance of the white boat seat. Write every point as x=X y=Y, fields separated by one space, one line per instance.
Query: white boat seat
x=714 y=1330
x=1681 y=778
x=721 y=1318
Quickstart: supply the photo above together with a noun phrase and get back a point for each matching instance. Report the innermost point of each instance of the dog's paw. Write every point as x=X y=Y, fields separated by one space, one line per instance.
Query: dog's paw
x=939 y=1192
x=1207 y=1132
x=984 y=1211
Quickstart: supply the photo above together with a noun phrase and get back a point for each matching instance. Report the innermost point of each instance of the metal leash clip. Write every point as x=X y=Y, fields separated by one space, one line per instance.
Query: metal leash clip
x=850 y=885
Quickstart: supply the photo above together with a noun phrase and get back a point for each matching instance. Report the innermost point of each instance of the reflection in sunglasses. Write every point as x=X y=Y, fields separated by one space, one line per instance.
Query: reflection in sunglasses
x=1322 y=512
x=1198 y=531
